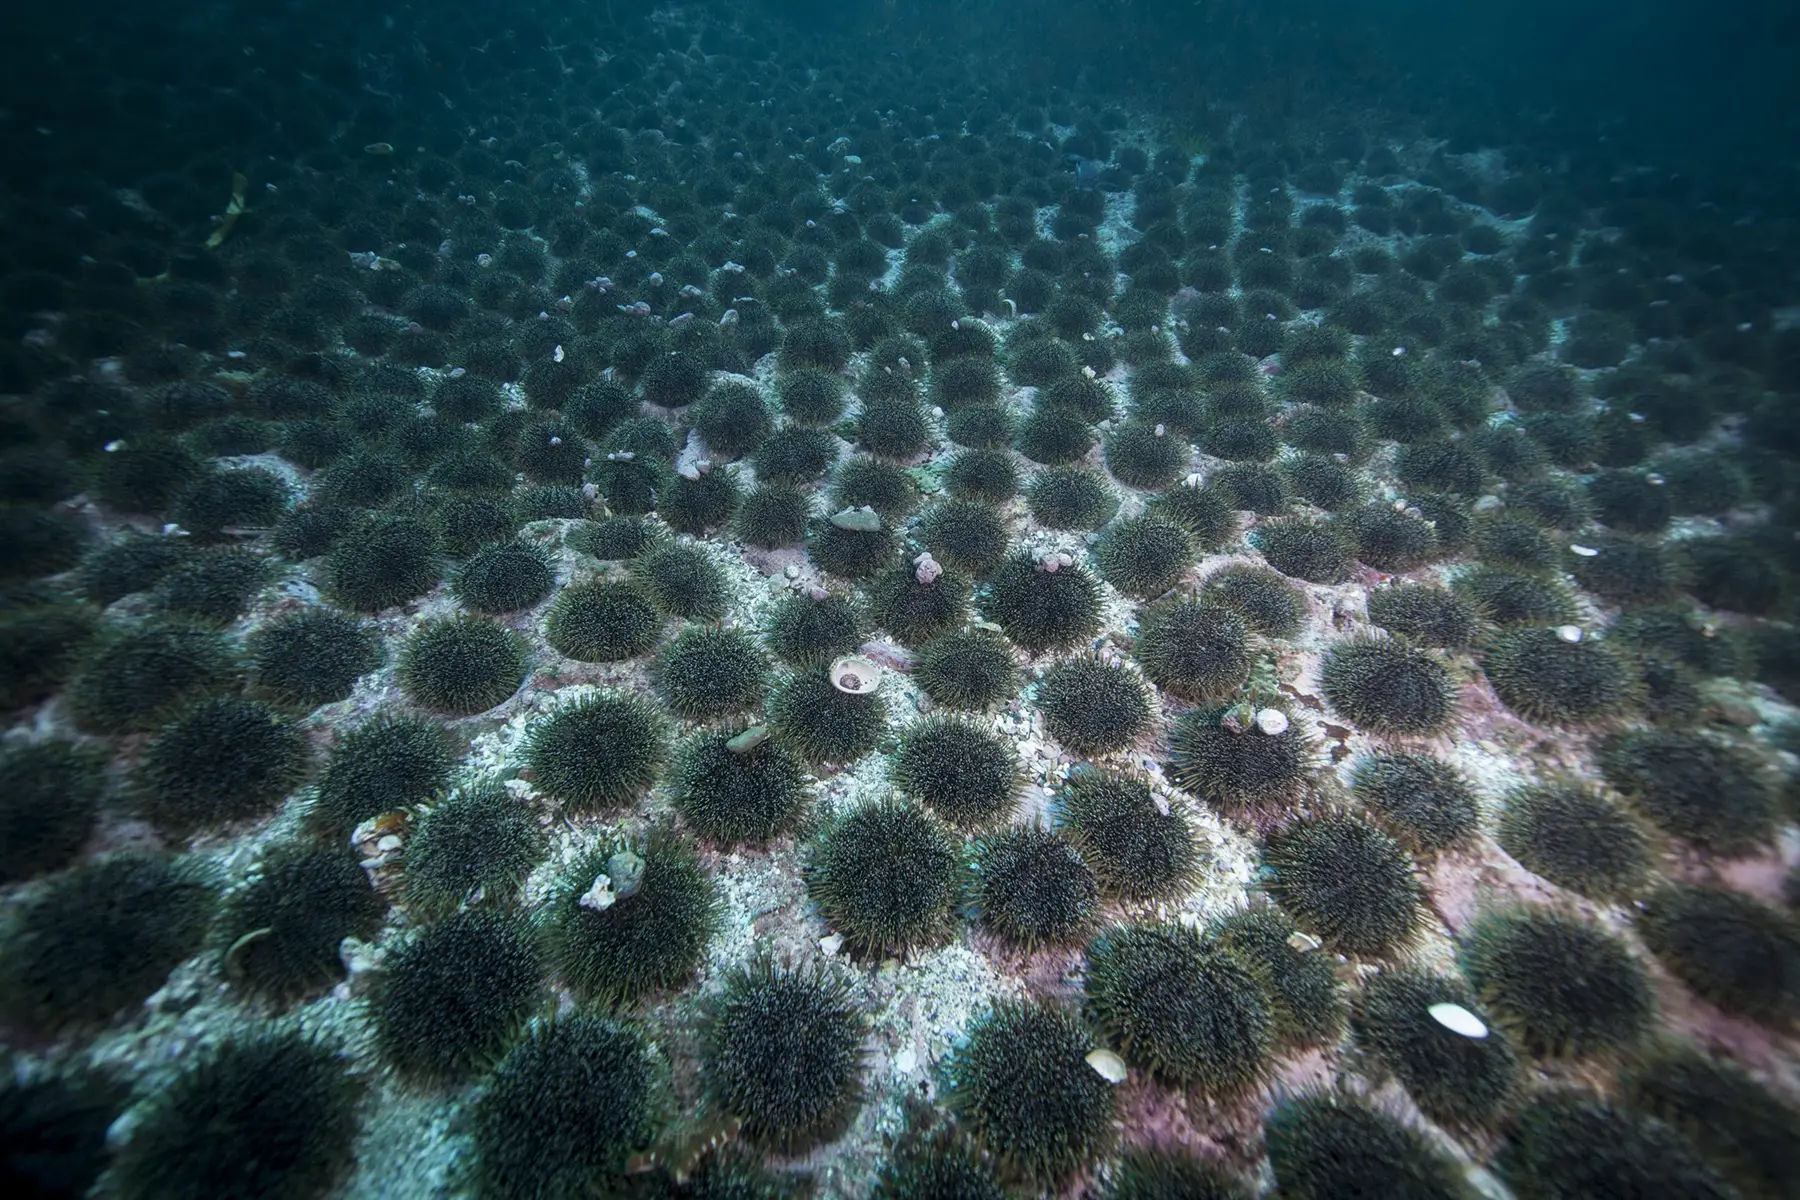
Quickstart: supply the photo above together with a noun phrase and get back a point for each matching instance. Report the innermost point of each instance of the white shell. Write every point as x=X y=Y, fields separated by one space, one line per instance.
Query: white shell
x=1569 y=633
x=907 y=1061
x=1583 y=551
x=855 y=674
x=1458 y=1019
x=1107 y=1065
x=600 y=897
x=1272 y=721
x=830 y=944
x=1303 y=942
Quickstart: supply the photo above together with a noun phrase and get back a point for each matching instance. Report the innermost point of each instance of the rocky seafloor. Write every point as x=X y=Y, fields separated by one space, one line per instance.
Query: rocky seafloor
x=738 y=628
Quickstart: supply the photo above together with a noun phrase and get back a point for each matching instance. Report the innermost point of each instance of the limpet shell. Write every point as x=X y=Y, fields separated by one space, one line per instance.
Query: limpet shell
x=855 y=674
x=1458 y=1020
x=1107 y=1065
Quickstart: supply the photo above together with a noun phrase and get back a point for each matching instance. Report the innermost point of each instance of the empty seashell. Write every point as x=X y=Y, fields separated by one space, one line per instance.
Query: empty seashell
x=1303 y=941
x=855 y=674
x=1569 y=633
x=830 y=944
x=907 y=1061
x=627 y=870
x=863 y=519
x=1107 y=1065
x=1583 y=551
x=600 y=896
x=1272 y=721
x=748 y=740
x=1458 y=1019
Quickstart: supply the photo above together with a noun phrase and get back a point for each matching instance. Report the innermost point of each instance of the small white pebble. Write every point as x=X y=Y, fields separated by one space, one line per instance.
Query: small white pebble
x=830 y=944
x=1272 y=721
x=1569 y=633
x=906 y=1062
x=1583 y=551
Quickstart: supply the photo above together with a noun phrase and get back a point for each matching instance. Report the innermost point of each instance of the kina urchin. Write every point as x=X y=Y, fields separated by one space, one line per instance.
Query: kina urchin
x=461 y=665
x=941 y=1163
x=1576 y=837
x=806 y=630
x=1546 y=679
x=603 y=622
x=281 y=929
x=386 y=763
x=1743 y=1128
x=1567 y=1144
x=1157 y=1174
x=961 y=771
x=451 y=996
x=1194 y=650
x=311 y=657
x=1691 y=786
x=1738 y=953
x=1143 y=556
x=1305 y=998
x=885 y=876
x=1070 y=498
x=271 y=1111
x=220 y=760
x=811 y=717
x=1021 y=1085
x=652 y=936
x=1454 y=1078
x=1094 y=707
x=1208 y=513
x=850 y=553
x=565 y=1109
x=1146 y=456
x=1182 y=1008
x=965 y=535
x=1326 y=1144
x=1423 y=801
x=705 y=673
x=1239 y=769
x=480 y=842
x=1040 y=609
x=504 y=577
x=1562 y=986
x=913 y=611
x=970 y=669
x=1387 y=685
x=1139 y=849
x=1348 y=882
x=1032 y=888
x=100 y=937
x=783 y=1054
x=773 y=515
x=1425 y=614
x=599 y=753
x=730 y=793
x=50 y=793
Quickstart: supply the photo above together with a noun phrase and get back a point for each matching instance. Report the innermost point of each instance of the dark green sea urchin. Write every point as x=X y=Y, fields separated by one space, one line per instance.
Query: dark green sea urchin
x=1022 y=1087
x=1041 y=609
x=885 y=876
x=1348 y=882
x=1185 y=1010
x=1140 y=846
x=453 y=995
x=1566 y=1144
x=1324 y=1145
x=1193 y=650
x=603 y=622
x=384 y=764
x=480 y=842
x=1421 y=800
x=1305 y=998
x=1454 y=1078
x=1094 y=707
x=597 y=753
x=729 y=789
x=50 y=793
x=461 y=665
x=1693 y=786
x=1547 y=679
x=1032 y=888
x=704 y=674
x=811 y=717
x=1563 y=987
x=1745 y=1130
x=1236 y=768
x=223 y=759
x=960 y=770
x=1143 y=556
x=311 y=657
x=1576 y=837
x=1386 y=685
x=279 y=931
x=1738 y=953
x=969 y=669
x=645 y=928
x=783 y=1054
